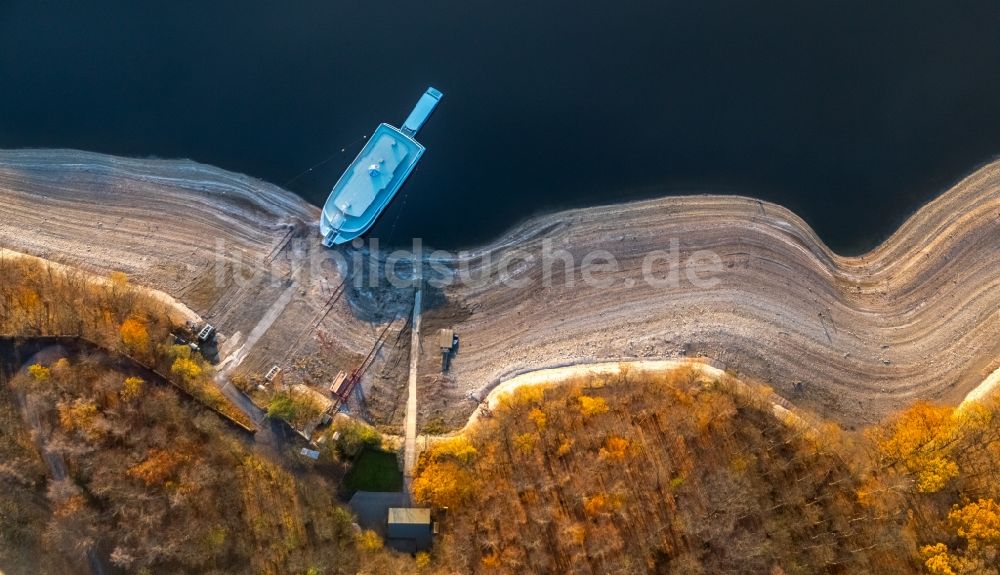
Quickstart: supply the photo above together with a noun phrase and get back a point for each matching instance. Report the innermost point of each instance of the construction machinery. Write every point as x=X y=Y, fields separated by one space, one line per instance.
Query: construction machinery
x=448 y=342
x=207 y=333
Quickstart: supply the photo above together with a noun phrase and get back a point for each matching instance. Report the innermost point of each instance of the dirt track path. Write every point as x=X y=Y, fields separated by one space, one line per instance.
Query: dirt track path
x=410 y=445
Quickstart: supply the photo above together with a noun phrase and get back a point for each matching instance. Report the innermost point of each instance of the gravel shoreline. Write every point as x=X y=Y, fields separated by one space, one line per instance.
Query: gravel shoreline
x=853 y=338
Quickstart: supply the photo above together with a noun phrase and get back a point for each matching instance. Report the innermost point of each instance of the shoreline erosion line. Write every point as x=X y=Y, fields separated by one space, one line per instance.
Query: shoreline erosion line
x=851 y=337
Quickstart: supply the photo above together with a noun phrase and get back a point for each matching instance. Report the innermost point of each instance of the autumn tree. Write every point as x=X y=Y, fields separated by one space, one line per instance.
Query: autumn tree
x=81 y=415
x=445 y=477
x=158 y=466
x=977 y=522
x=131 y=388
x=135 y=336
x=975 y=530
x=186 y=369
x=39 y=372
x=591 y=406
x=674 y=472
x=297 y=409
x=919 y=441
x=354 y=436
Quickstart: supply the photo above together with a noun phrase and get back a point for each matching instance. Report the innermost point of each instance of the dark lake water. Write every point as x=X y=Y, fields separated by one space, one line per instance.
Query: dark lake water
x=852 y=113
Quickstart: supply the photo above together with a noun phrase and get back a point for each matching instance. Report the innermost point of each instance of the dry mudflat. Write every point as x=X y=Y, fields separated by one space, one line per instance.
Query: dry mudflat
x=851 y=337
x=226 y=245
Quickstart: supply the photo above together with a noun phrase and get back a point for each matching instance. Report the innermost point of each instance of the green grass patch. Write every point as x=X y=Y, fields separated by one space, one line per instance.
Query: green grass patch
x=374 y=470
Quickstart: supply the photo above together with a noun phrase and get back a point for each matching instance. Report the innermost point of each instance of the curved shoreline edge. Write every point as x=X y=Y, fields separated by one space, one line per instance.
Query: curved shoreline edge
x=561 y=375
x=850 y=337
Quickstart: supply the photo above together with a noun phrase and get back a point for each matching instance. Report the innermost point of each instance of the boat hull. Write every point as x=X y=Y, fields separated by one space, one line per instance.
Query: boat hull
x=375 y=176
x=363 y=192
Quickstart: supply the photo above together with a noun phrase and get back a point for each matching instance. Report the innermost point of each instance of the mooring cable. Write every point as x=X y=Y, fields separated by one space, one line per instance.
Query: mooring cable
x=326 y=161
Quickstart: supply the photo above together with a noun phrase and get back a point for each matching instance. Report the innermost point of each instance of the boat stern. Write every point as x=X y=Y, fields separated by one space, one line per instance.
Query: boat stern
x=334 y=231
x=330 y=222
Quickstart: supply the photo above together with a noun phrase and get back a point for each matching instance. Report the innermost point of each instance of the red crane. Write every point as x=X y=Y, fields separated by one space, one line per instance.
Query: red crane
x=343 y=384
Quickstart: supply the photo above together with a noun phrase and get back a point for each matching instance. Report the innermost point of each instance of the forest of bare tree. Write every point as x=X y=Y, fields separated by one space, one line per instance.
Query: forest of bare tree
x=683 y=474
x=103 y=458
x=633 y=473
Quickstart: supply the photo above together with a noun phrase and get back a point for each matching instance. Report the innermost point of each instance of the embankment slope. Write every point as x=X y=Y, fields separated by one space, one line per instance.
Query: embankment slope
x=853 y=337
x=918 y=317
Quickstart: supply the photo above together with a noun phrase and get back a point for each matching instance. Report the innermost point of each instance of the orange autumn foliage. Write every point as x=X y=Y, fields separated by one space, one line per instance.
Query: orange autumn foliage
x=918 y=441
x=131 y=388
x=135 y=336
x=443 y=484
x=591 y=406
x=444 y=473
x=595 y=505
x=615 y=448
x=80 y=415
x=158 y=466
x=978 y=521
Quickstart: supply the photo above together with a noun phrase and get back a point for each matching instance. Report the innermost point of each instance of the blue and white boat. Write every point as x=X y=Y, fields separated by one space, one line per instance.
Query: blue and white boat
x=372 y=180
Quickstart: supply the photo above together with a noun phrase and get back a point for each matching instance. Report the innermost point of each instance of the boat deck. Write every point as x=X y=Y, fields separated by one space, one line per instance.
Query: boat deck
x=371 y=180
x=373 y=173
x=374 y=177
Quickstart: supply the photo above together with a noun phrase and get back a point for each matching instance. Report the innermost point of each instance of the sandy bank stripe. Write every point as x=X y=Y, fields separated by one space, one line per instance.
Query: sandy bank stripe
x=983 y=389
x=555 y=375
x=561 y=375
